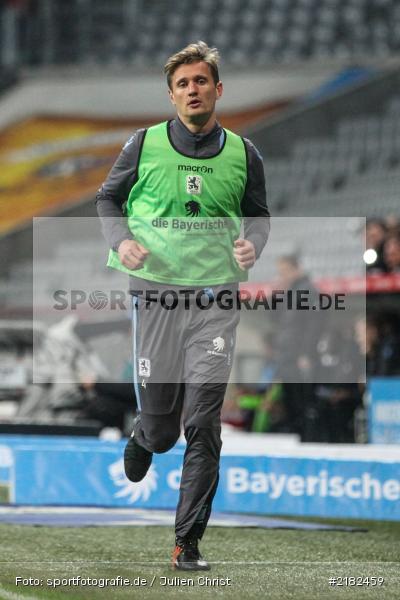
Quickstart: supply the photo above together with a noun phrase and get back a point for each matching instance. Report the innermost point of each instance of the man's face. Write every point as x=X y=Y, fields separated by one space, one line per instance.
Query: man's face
x=194 y=93
x=374 y=235
x=392 y=253
x=287 y=272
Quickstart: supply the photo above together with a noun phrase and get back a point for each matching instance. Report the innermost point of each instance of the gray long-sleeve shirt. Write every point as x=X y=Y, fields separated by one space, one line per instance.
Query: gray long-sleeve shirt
x=115 y=190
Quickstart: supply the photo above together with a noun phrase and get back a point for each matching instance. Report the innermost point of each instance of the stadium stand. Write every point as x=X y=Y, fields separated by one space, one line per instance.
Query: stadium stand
x=256 y=31
x=342 y=174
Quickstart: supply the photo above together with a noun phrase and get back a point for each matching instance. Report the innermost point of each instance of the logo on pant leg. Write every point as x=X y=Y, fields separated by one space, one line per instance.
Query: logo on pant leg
x=144 y=367
x=219 y=347
x=219 y=344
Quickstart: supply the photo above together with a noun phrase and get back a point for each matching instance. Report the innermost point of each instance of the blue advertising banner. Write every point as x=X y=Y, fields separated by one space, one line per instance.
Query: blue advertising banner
x=384 y=411
x=86 y=472
x=310 y=487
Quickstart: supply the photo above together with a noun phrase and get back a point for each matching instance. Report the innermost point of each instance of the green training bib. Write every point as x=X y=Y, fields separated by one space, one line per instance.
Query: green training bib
x=187 y=212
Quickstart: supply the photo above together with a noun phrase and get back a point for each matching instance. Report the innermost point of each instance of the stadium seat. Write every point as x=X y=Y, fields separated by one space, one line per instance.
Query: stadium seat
x=307 y=29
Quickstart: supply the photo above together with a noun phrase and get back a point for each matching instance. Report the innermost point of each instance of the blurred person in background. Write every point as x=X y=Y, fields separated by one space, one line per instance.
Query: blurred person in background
x=297 y=336
x=260 y=404
x=167 y=171
x=391 y=252
x=331 y=418
x=375 y=234
x=71 y=385
x=63 y=368
x=379 y=344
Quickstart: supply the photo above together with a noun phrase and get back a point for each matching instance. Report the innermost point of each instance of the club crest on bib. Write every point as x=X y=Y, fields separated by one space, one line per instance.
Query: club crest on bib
x=193 y=184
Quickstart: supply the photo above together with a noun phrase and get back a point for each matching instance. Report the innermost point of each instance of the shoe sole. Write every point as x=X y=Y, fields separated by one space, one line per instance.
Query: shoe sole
x=190 y=567
x=141 y=463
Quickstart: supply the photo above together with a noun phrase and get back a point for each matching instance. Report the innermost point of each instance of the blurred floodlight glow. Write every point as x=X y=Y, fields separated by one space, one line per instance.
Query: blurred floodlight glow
x=370 y=256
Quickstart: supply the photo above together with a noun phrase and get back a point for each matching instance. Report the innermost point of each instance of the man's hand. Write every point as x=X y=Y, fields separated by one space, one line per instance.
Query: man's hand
x=132 y=254
x=244 y=253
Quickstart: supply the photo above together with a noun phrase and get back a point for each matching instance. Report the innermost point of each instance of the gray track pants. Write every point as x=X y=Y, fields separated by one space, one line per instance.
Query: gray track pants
x=182 y=365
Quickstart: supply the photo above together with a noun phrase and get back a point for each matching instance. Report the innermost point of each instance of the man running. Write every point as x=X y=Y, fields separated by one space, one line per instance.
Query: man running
x=177 y=189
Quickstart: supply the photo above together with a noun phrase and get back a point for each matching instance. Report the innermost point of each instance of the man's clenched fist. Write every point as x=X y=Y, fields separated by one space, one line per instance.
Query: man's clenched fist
x=132 y=254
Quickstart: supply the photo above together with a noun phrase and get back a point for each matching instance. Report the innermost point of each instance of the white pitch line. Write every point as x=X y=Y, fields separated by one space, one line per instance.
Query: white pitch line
x=6 y=595
x=218 y=562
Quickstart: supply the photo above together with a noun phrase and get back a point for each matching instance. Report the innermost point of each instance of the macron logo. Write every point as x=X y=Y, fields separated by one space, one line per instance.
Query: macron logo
x=196 y=168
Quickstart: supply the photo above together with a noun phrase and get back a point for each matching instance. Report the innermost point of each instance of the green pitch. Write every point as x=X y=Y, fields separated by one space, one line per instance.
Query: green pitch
x=257 y=563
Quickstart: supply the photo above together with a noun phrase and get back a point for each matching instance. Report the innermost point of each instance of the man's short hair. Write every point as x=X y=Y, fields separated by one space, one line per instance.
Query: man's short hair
x=198 y=52
x=377 y=222
x=290 y=259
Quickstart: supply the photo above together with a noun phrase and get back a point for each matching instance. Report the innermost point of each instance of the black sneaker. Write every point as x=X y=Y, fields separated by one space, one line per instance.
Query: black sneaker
x=137 y=460
x=186 y=557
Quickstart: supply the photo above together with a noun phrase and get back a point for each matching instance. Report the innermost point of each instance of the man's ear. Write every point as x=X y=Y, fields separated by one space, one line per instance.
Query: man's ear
x=171 y=96
x=220 y=89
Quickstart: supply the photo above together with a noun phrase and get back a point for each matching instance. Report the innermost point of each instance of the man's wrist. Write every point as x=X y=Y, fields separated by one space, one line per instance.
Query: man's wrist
x=257 y=241
x=117 y=244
